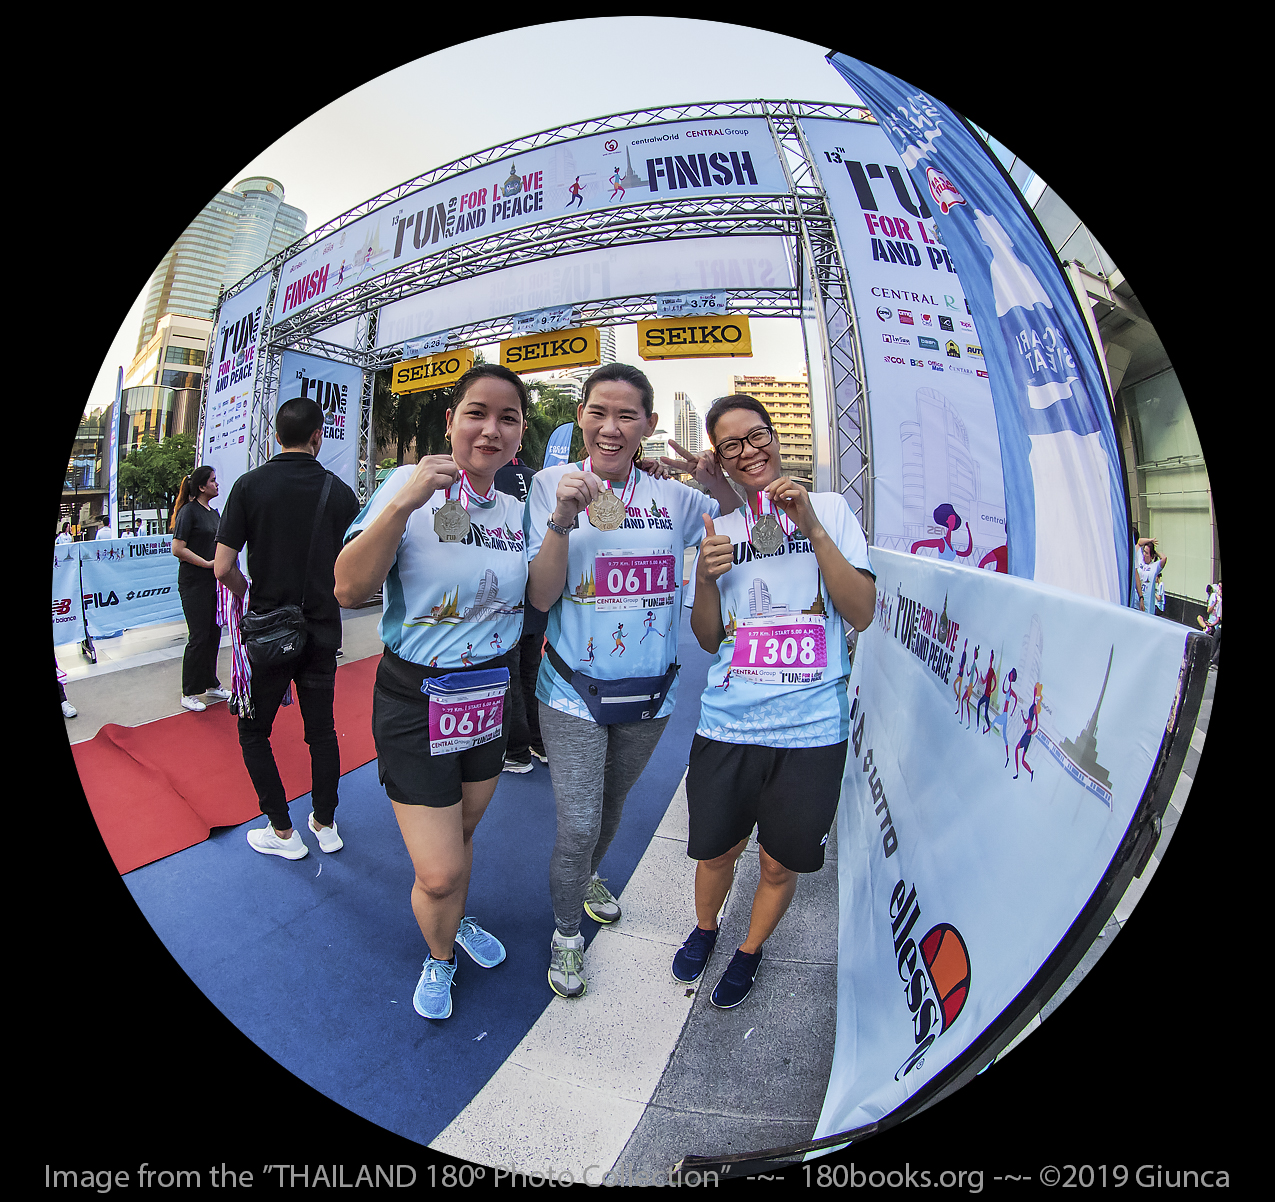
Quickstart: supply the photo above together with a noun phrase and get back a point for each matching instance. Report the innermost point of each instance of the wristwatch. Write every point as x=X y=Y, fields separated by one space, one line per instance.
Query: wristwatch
x=564 y=530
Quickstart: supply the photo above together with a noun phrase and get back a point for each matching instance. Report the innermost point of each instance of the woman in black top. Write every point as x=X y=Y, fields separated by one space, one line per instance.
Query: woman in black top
x=194 y=529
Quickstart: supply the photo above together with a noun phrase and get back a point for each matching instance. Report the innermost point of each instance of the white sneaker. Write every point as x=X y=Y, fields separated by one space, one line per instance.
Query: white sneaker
x=68 y=710
x=193 y=703
x=265 y=840
x=218 y=694
x=329 y=840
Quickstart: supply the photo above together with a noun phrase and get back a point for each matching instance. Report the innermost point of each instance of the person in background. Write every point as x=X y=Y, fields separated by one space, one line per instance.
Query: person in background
x=64 y=535
x=1211 y=622
x=194 y=530
x=1149 y=566
x=274 y=508
x=525 y=740
x=104 y=529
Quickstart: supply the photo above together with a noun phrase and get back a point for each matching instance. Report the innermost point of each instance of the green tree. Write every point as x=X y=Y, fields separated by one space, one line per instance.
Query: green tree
x=393 y=416
x=153 y=471
x=550 y=408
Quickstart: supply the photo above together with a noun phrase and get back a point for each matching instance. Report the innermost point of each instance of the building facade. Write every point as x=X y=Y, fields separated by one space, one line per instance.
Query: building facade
x=687 y=426
x=788 y=403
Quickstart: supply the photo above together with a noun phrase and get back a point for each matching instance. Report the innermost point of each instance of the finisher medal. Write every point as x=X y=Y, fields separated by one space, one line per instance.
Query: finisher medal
x=607 y=511
x=767 y=536
x=451 y=522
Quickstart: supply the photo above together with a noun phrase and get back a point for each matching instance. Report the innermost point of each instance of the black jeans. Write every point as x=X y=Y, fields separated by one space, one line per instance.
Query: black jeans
x=199 y=663
x=315 y=674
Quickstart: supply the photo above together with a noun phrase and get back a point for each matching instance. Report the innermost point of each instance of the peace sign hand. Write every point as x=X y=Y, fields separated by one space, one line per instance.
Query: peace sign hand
x=704 y=466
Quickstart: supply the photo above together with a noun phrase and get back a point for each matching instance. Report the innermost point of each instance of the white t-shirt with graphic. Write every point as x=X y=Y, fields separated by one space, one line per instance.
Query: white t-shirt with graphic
x=779 y=677
x=621 y=608
x=448 y=605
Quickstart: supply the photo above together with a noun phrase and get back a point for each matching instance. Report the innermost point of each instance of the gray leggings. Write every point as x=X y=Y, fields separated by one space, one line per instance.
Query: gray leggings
x=593 y=768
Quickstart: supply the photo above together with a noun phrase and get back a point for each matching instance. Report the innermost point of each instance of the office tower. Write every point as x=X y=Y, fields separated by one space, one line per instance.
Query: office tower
x=236 y=232
x=686 y=424
x=788 y=403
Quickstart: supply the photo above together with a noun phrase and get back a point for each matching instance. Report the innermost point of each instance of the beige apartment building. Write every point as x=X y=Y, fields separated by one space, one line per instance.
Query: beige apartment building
x=788 y=403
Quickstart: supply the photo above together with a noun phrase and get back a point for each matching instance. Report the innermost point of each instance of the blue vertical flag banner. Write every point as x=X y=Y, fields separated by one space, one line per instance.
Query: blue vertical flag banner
x=559 y=446
x=338 y=388
x=1066 y=520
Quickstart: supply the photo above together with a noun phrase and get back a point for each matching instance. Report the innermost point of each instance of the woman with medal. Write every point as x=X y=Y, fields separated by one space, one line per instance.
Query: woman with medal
x=774 y=583
x=606 y=543
x=450 y=553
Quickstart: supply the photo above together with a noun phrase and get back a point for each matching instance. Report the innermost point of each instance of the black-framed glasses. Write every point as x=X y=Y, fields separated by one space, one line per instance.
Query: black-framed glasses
x=733 y=448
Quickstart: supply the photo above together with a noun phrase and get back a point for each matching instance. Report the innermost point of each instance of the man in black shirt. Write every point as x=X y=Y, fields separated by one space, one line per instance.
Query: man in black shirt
x=272 y=509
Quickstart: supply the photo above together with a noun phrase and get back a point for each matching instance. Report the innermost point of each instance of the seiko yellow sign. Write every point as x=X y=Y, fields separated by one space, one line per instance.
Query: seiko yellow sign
x=434 y=371
x=544 y=352
x=694 y=338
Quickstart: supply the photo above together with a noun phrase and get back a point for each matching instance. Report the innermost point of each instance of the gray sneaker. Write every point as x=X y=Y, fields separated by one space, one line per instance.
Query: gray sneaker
x=566 y=965
x=598 y=902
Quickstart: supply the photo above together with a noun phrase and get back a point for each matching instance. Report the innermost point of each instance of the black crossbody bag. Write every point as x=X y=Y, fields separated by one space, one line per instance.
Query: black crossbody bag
x=634 y=699
x=276 y=638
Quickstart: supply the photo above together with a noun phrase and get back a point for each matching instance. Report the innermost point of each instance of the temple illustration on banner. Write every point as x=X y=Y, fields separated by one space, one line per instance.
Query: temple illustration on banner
x=487 y=606
x=1079 y=758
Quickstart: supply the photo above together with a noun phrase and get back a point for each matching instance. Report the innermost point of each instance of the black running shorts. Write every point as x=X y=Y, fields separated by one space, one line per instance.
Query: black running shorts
x=400 y=729
x=789 y=793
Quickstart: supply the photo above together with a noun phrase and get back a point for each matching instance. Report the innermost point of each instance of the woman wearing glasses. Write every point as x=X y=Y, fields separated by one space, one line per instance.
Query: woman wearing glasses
x=774 y=582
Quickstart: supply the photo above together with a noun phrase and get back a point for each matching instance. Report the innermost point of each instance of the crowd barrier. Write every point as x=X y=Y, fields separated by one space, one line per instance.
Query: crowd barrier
x=103 y=588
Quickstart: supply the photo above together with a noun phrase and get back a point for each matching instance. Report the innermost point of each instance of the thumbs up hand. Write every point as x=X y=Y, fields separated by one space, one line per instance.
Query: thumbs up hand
x=715 y=554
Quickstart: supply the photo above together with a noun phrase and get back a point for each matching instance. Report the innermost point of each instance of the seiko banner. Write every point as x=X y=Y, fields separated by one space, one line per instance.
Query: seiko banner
x=338 y=388
x=695 y=338
x=937 y=484
x=431 y=372
x=713 y=157
x=126 y=582
x=68 y=613
x=1002 y=735
x=233 y=368
x=554 y=351
x=1065 y=503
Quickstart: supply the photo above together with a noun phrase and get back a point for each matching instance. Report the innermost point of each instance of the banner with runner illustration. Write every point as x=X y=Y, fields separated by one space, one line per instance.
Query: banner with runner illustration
x=1064 y=497
x=128 y=582
x=1002 y=735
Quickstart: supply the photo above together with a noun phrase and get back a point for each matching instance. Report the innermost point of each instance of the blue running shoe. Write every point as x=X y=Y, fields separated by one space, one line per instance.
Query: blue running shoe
x=484 y=948
x=737 y=981
x=433 y=996
x=691 y=960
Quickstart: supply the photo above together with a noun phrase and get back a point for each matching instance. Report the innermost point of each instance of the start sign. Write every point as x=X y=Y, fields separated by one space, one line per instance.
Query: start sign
x=694 y=338
x=433 y=371
x=546 y=352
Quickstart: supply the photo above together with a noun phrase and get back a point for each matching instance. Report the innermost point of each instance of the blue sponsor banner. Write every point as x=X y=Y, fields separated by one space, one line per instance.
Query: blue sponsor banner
x=1002 y=734
x=559 y=445
x=1065 y=503
x=128 y=582
x=338 y=389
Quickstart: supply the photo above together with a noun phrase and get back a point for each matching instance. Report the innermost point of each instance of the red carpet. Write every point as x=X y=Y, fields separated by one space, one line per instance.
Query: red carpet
x=159 y=788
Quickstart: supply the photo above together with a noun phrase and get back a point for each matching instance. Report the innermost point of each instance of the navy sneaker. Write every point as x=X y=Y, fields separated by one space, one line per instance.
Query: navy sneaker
x=737 y=981
x=691 y=960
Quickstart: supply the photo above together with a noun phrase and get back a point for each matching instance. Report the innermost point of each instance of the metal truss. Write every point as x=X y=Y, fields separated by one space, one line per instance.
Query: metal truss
x=799 y=215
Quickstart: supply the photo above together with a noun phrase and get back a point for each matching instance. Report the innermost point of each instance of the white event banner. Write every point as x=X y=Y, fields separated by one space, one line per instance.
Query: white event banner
x=1002 y=735
x=338 y=388
x=938 y=488
x=126 y=582
x=671 y=161
x=643 y=269
x=68 y=614
x=234 y=359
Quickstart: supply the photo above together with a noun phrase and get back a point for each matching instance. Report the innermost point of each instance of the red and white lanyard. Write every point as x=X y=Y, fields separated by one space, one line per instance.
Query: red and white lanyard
x=626 y=493
x=465 y=490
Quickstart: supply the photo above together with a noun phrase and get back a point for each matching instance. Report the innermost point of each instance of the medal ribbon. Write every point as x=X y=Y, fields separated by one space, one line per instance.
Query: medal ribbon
x=626 y=494
x=766 y=505
x=464 y=487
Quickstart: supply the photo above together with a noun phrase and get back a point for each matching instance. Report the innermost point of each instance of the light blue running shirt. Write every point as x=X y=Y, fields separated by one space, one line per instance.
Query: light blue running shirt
x=618 y=617
x=784 y=596
x=447 y=605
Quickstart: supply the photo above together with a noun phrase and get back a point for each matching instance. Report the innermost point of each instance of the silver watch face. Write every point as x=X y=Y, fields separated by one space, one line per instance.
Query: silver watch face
x=451 y=522
x=768 y=535
x=607 y=511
